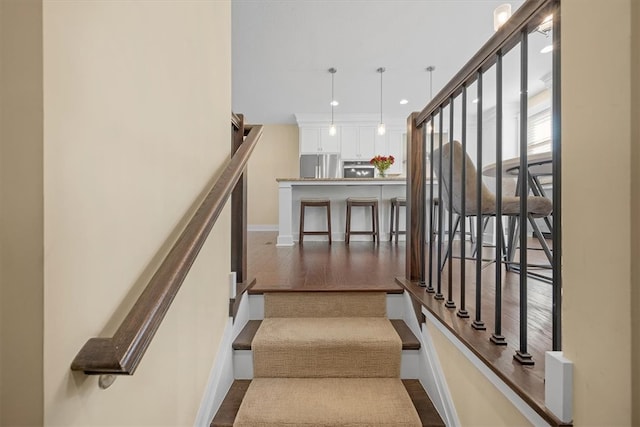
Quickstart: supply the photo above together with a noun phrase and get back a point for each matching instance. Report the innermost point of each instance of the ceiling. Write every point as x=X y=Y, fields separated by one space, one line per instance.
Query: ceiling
x=282 y=50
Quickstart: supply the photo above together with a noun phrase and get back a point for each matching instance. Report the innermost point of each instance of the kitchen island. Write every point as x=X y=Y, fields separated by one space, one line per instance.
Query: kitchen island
x=291 y=190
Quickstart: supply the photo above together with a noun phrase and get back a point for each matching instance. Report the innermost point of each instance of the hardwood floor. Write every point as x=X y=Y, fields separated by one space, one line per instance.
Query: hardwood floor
x=319 y=266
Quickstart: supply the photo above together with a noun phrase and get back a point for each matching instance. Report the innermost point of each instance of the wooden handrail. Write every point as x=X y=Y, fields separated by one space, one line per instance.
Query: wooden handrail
x=503 y=40
x=122 y=353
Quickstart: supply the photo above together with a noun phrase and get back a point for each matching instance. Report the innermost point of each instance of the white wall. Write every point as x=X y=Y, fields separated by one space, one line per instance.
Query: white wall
x=136 y=123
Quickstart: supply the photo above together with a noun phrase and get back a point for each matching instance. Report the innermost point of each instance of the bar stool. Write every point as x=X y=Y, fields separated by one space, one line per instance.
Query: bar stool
x=326 y=203
x=364 y=202
x=396 y=203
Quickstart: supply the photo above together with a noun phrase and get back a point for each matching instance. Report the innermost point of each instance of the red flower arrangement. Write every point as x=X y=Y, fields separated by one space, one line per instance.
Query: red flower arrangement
x=382 y=163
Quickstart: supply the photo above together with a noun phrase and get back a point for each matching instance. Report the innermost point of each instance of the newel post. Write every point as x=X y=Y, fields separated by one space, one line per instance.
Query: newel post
x=416 y=180
x=239 y=210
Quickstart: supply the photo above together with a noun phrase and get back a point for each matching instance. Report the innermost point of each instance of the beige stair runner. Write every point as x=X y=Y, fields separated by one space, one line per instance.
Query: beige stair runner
x=326 y=359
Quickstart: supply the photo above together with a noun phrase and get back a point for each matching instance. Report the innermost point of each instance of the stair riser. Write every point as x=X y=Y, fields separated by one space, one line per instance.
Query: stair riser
x=326 y=362
x=243 y=364
x=395 y=306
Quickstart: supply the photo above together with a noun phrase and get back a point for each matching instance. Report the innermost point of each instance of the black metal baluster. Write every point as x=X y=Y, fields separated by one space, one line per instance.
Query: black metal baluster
x=423 y=208
x=430 y=288
x=522 y=355
x=438 y=294
x=497 y=337
x=557 y=184
x=478 y=323
x=462 y=311
x=452 y=229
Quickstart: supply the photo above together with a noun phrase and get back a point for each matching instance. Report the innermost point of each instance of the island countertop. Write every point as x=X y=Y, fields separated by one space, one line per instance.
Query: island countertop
x=375 y=181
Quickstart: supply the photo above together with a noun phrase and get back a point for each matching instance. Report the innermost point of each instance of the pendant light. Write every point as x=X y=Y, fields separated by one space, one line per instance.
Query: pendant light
x=332 y=128
x=500 y=15
x=430 y=69
x=381 y=127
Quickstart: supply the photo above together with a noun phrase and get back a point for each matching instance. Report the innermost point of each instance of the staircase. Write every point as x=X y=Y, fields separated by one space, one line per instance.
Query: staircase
x=325 y=359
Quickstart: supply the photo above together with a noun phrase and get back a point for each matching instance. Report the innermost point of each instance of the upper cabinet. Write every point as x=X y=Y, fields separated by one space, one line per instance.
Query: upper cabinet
x=397 y=147
x=314 y=140
x=356 y=138
x=358 y=142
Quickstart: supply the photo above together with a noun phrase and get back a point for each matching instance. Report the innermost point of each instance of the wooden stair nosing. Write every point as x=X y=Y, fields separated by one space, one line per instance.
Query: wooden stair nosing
x=392 y=289
x=245 y=337
x=228 y=410
x=230 y=405
x=427 y=412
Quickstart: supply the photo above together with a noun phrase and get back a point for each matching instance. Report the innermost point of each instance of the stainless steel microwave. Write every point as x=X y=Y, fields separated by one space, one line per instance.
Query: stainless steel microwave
x=358 y=169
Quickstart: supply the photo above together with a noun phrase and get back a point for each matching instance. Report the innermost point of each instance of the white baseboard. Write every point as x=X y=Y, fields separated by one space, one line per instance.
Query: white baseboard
x=526 y=410
x=430 y=374
x=221 y=376
x=220 y=380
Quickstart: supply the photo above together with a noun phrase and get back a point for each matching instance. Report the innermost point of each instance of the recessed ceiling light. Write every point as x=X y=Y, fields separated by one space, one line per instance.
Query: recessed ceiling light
x=547 y=49
x=404 y=102
x=334 y=103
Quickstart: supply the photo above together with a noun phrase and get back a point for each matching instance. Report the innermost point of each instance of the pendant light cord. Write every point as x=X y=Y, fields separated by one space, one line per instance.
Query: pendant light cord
x=381 y=70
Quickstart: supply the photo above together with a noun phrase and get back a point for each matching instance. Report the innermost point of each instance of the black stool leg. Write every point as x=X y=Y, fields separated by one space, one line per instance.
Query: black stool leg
x=329 y=221
x=348 y=224
x=302 y=206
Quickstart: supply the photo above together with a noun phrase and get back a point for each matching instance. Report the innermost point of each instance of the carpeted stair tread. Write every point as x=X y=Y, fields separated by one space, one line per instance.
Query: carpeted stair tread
x=344 y=402
x=327 y=347
x=325 y=304
x=245 y=337
x=228 y=410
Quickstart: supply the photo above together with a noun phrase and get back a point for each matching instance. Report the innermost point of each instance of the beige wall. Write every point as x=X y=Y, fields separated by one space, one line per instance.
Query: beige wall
x=477 y=401
x=635 y=208
x=136 y=122
x=275 y=156
x=21 y=270
x=596 y=189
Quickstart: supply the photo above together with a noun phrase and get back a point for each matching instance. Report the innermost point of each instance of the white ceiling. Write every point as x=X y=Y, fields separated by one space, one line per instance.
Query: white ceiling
x=282 y=50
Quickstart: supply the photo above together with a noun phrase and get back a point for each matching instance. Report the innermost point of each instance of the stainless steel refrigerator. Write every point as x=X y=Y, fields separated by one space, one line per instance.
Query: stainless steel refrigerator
x=320 y=166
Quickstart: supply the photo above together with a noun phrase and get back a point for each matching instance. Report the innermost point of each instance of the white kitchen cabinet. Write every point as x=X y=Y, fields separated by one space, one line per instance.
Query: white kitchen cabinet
x=367 y=142
x=396 y=146
x=314 y=140
x=358 y=142
x=349 y=143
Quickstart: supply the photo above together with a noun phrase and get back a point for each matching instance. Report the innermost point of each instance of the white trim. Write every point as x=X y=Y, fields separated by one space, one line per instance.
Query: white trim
x=558 y=385
x=220 y=380
x=522 y=406
x=243 y=364
x=320 y=120
x=262 y=227
x=221 y=375
x=256 y=307
x=431 y=375
x=395 y=306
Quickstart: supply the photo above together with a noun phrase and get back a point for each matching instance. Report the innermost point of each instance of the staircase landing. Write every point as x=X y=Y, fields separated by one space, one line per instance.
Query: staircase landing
x=320 y=267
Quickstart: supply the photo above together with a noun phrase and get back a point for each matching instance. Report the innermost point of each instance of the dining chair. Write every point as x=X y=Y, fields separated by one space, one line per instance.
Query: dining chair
x=537 y=206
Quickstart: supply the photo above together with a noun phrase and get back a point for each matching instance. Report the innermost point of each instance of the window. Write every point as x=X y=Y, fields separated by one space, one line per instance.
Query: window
x=539 y=132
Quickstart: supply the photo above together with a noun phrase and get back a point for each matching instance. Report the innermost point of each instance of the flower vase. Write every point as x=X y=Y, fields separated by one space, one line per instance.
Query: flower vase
x=382 y=173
